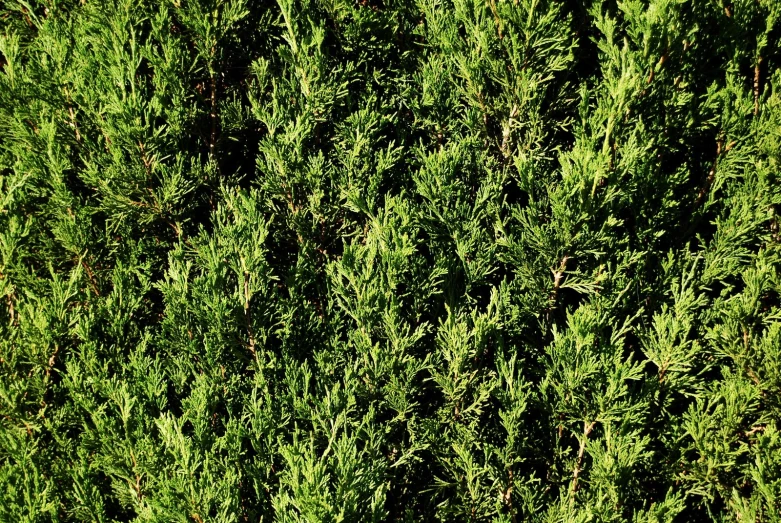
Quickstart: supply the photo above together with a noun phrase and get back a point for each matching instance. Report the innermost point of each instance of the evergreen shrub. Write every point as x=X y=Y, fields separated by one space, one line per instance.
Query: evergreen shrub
x=390 y=260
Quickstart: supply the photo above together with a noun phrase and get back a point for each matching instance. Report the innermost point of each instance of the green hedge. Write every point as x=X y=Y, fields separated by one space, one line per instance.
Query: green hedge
x=390 y=260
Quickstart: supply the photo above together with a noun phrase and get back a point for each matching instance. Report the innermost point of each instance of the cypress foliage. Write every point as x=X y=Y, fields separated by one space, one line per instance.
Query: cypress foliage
x=387 y=260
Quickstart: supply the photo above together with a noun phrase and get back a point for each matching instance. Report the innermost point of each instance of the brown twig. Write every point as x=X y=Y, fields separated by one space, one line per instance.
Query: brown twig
x=754 y=430
x=91 y=276
x=213 y=115
x=248 y=312
x=774 y=226
x=508 y=494
x=9 y=299
x=497 y=20
x=213 y=112
x=558 y=277
x=757 y=71
x=484 y=109
x=720 y=149
x=561 y=426
x=587 y=428
x=659 y=65
x=27 y=17
x=145 y=159
x=137 y=486
x=507 y=132
x=73 y=116
x=52 y=360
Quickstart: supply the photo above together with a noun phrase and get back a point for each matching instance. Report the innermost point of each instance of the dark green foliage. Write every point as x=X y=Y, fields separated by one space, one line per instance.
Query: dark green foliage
x=432 y=260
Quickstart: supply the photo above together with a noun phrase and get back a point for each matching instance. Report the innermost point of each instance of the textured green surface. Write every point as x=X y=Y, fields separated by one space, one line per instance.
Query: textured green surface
x=433 y=260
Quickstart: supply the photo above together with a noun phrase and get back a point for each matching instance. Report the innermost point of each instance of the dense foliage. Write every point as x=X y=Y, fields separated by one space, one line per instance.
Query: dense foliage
x=390 y=260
